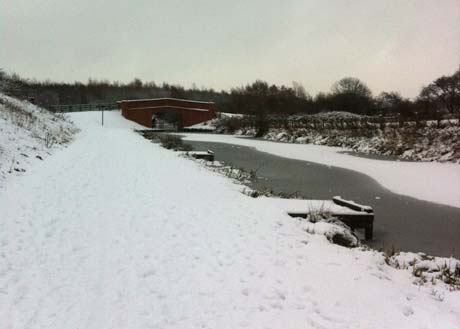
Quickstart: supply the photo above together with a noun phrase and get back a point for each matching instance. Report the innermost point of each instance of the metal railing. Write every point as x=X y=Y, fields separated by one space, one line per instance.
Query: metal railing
x=83 y=107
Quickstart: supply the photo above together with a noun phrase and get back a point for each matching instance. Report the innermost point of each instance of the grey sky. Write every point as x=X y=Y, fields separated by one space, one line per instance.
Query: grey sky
x=391 y=45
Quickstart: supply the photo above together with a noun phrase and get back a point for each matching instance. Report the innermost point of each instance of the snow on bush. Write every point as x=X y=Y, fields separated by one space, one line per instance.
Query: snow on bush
x=407 y=143
x=428 y=268
x=238 y=175
x=332 y=115
x=28 y=133
x=334 y=230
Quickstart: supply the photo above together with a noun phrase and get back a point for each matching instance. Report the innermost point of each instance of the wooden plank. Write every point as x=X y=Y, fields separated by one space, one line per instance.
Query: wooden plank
x=351 y=204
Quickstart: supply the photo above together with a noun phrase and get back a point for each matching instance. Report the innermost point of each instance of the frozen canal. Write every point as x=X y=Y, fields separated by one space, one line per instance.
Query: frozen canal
x=406 y=223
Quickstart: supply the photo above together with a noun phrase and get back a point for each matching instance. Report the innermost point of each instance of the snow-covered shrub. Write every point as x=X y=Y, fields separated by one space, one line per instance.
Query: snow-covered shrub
x=334 y=230
x=251 y=192
x=238 y=174
x=428 y=268
x=230 y=124
x=321 y=221
x=337 y=115
x=169 y=141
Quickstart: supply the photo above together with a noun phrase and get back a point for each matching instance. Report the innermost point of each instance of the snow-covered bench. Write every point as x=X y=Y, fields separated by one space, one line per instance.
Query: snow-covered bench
x=354 y=215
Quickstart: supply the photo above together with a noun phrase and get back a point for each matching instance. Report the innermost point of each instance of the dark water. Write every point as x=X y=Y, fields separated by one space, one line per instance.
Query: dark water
x=401 y=222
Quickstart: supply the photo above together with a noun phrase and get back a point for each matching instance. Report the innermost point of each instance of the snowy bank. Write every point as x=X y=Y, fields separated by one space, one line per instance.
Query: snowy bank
x=116 y=232
x=435 y=182
x=405 y=143
x=28 y=134
x=406 y=140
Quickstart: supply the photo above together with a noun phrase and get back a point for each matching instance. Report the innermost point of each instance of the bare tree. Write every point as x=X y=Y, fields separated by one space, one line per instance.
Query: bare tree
x=352 y=86
x=352 y=95
x=444 y=93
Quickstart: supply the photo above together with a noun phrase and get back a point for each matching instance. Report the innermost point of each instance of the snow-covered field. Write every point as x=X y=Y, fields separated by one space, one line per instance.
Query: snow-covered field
x=116 y=232
x=435 y=182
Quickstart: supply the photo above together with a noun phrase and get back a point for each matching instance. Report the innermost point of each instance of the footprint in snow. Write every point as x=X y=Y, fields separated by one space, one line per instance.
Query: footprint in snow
x=148 y=273
x=410 y=296
x=276 y=306
x=306 y=289
x=408 y=311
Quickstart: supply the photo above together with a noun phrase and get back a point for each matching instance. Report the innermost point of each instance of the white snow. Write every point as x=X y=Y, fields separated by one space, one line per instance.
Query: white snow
x=230 y=115
x=435 y=182
x=116 y=232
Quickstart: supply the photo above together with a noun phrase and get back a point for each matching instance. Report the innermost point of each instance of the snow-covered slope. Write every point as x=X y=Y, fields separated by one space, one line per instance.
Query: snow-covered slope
x=116 y=232
x=28 y=134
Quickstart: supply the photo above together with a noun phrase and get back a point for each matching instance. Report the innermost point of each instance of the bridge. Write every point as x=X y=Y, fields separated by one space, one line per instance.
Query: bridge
x=83 y=107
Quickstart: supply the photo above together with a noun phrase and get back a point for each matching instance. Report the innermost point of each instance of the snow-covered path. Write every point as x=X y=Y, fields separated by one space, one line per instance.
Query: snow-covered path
x=114 y=232
x=429 y=181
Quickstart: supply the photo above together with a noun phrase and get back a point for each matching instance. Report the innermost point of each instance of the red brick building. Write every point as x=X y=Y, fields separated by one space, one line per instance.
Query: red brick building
x=167 y=112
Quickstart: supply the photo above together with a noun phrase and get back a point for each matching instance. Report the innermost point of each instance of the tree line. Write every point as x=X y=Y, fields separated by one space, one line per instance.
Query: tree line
x=442 y=96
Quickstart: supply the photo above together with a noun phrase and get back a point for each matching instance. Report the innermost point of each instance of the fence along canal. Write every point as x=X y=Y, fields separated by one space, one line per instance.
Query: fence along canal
x=83 y=107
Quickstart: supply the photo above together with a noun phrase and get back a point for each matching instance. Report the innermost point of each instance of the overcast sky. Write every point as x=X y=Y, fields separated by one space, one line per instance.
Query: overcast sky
x=391 y=45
